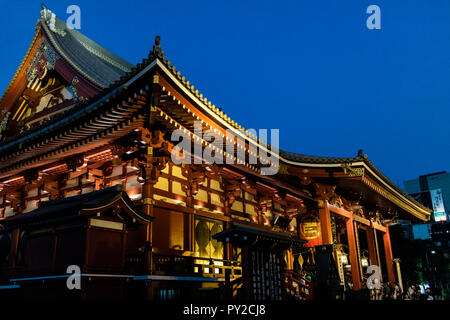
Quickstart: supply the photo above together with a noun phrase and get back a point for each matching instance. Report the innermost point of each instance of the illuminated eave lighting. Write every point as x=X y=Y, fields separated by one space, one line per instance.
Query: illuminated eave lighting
x=54 y=168
x=135 y=196
x=12 y=180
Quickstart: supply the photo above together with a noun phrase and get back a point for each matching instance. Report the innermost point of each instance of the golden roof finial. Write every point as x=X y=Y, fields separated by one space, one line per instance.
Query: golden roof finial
x=157 y=50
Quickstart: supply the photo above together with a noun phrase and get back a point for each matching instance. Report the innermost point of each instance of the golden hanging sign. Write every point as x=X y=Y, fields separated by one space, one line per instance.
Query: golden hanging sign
x=310 y=227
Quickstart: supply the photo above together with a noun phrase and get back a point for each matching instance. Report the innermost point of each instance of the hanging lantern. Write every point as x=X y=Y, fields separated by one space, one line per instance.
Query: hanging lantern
x=364 y=262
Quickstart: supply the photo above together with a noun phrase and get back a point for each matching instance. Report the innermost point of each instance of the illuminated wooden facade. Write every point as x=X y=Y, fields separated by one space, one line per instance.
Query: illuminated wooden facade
x=73 y=124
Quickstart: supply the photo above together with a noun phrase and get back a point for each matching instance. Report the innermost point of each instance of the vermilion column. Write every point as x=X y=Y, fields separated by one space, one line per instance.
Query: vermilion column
x=247 y=290
x=371 y=244
x=353 y=254
x=148 y=209
x=377 y=248
x=389 y=257
x=228 y=255
x=325 y=225
x=14 y=246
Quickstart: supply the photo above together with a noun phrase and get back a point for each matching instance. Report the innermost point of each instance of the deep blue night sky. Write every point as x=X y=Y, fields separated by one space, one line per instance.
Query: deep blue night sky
x=310 y=68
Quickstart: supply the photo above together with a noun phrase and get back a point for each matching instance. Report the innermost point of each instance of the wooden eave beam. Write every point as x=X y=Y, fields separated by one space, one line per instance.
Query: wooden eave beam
x=273 y=181
x=340 y=211
x=183 y=101
x=84 y=145
x=361 y=220
x=265 y=188
x=96 y=123
x=392 y=198
x=379 y=227
x=332 y=172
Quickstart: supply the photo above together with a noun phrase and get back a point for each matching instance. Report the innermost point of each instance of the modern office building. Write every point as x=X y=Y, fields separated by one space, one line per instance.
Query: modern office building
x=433 y=191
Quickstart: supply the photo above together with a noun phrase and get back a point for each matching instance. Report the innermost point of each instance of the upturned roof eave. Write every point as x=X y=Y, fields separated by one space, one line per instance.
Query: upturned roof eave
x=420 y=211
x=53 y=38
x=22 y=63
x=165 y=65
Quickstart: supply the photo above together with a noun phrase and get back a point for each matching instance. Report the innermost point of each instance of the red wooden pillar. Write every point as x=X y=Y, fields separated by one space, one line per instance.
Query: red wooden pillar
x=246 y=281
x=228 y=256
x=148 y=210
x=325 y=225
x=353 y=254
x=371 y=244
x=148 y=246
x=14 y=246
x=388 y=255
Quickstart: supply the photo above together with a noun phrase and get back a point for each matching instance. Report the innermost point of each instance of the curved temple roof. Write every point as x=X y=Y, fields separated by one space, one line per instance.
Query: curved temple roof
x=90 y=203
x=240 y=233
x=363 y=161
x=99 y=65
x=97 y=62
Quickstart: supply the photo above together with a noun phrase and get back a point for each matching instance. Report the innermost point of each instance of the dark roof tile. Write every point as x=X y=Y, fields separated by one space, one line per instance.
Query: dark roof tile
x=89 y=58
x=297 y=157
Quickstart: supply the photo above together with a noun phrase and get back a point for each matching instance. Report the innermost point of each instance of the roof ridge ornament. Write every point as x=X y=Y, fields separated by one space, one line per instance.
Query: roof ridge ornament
x=50 y=19
x=157 y=51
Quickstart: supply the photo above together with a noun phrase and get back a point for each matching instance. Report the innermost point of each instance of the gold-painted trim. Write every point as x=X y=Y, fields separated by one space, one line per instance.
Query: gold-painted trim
x=18 y=109
x=23 y=110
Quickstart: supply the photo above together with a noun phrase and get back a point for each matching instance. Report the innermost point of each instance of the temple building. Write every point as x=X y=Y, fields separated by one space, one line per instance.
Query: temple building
x=91 y=178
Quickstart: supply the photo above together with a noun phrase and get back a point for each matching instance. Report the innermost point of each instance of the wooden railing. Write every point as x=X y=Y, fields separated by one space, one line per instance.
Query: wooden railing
x=134 y=264
x=232 y=289
x=297 y=286
x=21 y=271
x=195 y=266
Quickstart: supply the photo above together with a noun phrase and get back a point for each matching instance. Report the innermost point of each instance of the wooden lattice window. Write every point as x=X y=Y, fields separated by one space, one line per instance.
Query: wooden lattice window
x=205 y=245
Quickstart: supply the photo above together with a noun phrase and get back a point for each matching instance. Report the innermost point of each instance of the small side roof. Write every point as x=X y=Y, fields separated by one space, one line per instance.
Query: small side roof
x=241 y=233
x=85 y=204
